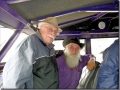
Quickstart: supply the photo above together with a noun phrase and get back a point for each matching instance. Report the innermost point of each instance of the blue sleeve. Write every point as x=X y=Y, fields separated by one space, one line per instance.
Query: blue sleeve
x=18 y=70
x=108 y=72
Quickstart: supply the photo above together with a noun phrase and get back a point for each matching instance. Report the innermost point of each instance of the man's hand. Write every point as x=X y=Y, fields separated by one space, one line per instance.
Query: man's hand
x=91 y=63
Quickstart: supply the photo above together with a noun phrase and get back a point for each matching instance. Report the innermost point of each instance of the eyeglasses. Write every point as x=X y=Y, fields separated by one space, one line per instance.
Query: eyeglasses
x=51 y=30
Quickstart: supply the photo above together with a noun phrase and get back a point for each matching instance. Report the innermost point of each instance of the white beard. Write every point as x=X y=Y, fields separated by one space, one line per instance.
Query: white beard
x=72 y=60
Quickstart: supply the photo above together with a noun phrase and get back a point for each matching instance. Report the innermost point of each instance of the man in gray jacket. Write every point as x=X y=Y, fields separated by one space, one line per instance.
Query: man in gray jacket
x=33 y=64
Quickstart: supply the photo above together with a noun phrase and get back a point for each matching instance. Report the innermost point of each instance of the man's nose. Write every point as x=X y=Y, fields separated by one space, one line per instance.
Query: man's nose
x=53 y=33
x=74 y=52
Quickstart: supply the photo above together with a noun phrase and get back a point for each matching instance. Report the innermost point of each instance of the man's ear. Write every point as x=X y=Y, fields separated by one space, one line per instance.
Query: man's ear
x=58 y=53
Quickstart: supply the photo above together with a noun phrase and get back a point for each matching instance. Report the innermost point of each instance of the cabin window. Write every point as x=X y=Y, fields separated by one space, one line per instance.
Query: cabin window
x=5 y=34
x=99 y=45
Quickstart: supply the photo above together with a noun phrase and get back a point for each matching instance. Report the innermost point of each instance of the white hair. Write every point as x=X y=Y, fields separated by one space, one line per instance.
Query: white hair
x=41 y=23
x=72 y=60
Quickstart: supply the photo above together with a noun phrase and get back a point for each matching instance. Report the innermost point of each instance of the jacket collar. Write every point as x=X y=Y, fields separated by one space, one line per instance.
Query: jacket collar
x=41 y=39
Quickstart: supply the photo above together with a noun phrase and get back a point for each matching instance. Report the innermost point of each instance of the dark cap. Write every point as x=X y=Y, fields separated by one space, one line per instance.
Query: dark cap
x=72 y=40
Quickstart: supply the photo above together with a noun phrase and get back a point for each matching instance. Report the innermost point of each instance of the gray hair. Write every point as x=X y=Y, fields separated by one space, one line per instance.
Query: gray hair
x=42 y=23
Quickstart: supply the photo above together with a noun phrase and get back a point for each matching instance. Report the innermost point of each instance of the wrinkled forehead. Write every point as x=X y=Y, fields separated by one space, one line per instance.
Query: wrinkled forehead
x=51 y=26
x=47 y=24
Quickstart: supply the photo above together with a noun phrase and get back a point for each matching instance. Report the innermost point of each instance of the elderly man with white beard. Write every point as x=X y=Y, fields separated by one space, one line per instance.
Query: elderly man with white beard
x=71 y=63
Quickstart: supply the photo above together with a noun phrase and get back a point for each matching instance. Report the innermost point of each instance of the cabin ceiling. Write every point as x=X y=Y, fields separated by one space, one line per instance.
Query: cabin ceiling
x=71 y=14
x=36 y=9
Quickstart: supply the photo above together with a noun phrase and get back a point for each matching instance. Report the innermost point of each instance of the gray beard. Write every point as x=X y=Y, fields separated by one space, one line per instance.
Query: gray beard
x=72 y=61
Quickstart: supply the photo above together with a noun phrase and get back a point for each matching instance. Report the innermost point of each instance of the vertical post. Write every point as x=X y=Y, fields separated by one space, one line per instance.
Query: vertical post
x=88 y=45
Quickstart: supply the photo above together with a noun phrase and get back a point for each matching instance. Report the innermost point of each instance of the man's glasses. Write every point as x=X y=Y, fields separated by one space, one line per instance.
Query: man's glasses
x=51 y=30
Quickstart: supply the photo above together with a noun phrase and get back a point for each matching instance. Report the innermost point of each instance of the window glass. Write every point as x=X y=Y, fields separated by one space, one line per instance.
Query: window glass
x=99 y=45
x=59 y=46
x=6 y=34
